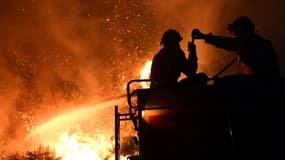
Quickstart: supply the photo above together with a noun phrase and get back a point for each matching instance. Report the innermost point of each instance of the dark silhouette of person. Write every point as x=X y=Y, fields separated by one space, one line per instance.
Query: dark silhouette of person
x=170 y=61
x=252 y=113
x=256 y=54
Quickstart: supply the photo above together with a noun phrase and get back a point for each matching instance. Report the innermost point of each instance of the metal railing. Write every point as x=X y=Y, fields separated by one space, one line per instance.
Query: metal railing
x=126 y=116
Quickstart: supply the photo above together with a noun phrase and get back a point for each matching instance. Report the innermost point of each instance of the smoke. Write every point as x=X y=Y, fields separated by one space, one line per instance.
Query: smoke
x=55 y=54
x=58 y=54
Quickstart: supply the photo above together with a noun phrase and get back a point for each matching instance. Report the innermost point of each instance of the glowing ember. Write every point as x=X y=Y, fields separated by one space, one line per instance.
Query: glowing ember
x=145 y=73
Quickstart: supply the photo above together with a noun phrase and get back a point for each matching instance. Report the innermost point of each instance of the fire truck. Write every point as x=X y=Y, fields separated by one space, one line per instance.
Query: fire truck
x=233 y=117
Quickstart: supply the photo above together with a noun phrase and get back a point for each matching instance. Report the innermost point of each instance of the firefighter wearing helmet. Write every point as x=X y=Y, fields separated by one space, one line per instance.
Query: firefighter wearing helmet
x=241 y=25
x=255 y=53
x=170 y=61
x=170 y=37
x=251 y=125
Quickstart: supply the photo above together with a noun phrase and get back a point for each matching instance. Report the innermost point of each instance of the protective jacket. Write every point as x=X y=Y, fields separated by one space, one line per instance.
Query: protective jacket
x=167 y=66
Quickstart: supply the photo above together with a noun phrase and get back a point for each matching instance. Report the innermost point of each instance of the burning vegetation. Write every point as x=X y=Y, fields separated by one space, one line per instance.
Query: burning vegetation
x=63 y=66
x=55 y=84
x=39 y=154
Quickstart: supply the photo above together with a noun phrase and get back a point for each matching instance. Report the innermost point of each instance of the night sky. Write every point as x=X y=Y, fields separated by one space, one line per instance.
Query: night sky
x=62 y=52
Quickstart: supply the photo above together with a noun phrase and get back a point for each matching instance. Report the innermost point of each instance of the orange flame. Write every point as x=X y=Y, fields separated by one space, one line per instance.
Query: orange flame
x=145 y=73
x=77 y=134
x=79 y=144
x=75 y=146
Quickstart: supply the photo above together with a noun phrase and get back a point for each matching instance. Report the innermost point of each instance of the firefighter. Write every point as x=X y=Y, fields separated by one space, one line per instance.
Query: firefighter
x=170 y=61
x=250 y=118
x=255 y=53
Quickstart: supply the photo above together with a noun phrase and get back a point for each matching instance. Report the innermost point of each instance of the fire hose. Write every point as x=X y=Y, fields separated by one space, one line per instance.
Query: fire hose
x=196 y=34
x=225 y=68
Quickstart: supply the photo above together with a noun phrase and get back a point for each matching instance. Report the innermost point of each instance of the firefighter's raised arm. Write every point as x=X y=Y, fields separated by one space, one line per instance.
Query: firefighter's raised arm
x=228 y=43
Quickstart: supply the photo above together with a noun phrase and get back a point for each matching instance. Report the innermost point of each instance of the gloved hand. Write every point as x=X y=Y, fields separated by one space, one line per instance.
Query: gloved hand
x=192 y=51
x=197 y=34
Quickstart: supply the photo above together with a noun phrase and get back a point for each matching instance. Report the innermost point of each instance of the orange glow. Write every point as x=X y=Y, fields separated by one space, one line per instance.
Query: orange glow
x=75 y=146
x=145 y=73
x=85 y=133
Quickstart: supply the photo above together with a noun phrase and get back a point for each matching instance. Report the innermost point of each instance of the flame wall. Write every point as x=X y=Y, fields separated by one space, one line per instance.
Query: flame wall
x=55 y=54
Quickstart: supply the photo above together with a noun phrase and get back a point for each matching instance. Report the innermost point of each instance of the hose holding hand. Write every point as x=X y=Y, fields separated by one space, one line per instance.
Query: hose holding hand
x=197 y=34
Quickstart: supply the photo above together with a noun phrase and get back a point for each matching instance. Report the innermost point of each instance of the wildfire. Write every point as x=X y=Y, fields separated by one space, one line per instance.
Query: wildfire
x=74 y=147
x=145 y=73
x=86 y=147
x=85 y=133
